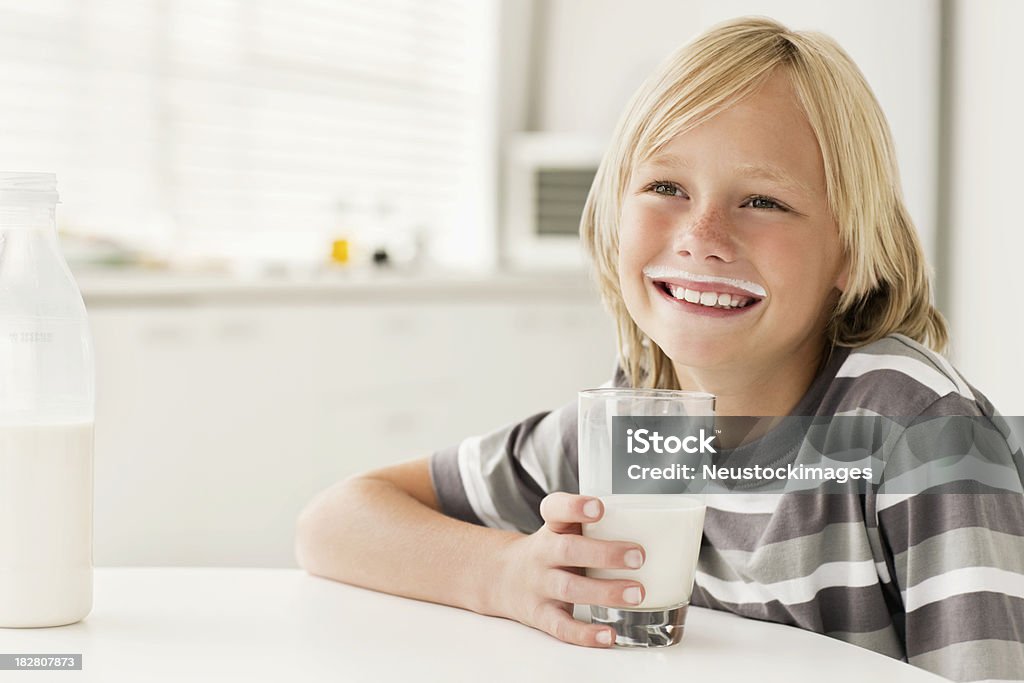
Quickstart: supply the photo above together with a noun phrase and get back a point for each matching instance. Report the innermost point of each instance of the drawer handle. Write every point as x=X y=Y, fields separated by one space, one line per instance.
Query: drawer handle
x=163 y=334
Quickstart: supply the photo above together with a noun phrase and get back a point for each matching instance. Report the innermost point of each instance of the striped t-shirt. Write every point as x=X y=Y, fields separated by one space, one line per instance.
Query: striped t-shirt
x=933 y=579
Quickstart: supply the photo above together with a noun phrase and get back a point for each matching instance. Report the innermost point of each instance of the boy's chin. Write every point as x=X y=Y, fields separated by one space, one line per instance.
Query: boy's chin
x=705 y=356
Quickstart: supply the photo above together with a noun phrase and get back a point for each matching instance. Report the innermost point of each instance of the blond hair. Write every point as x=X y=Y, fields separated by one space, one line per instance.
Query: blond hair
x=888 y=287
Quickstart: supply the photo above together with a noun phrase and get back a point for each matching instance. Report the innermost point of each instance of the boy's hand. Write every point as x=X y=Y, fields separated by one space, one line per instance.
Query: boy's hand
x=543 y=572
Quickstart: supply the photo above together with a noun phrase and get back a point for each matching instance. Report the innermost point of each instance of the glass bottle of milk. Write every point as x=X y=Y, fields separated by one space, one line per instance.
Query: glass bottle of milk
x=46 y=416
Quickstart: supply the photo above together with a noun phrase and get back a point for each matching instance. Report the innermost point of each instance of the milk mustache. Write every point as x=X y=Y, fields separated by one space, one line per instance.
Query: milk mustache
x=46 y=484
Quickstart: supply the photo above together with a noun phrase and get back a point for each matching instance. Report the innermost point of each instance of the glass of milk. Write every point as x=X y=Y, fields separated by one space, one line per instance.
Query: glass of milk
x=634 y=445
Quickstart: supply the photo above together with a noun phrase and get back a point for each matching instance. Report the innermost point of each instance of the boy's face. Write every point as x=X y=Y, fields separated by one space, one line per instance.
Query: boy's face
x=736 y=207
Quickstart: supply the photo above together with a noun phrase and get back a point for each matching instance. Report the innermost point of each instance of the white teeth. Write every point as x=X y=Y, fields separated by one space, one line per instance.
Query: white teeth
x=710 y=299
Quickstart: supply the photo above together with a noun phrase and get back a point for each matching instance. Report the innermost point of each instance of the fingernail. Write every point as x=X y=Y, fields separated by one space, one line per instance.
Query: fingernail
x=632 y=595
x=592 y=510
x=634 y=559
x=604 y=637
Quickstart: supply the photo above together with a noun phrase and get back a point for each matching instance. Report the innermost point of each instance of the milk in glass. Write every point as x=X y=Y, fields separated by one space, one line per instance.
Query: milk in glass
x=669 y=528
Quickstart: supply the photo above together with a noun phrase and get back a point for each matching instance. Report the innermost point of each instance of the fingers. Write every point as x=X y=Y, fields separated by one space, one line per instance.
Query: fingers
x=564 y=512
x=557 y=622
x=574 y=588
x=559 y=545
x=569 y=550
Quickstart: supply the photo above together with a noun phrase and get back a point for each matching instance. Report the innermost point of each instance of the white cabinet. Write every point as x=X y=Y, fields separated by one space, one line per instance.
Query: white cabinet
x=218 y=419
x=199 y=412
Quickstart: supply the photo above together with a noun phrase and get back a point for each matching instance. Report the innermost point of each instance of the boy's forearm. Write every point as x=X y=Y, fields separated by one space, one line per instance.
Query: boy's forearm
x=370 y=533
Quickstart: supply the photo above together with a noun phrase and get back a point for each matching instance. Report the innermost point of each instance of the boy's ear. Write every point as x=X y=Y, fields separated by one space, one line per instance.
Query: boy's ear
x=844 y=276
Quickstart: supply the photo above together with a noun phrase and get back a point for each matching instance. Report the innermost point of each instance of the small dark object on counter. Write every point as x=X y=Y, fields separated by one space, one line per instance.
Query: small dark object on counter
x=380 y=258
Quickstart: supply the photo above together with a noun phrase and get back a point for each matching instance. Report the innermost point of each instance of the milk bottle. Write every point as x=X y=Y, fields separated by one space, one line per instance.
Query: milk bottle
x=46 y=416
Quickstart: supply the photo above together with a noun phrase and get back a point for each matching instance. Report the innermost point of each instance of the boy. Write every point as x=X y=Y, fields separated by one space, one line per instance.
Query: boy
x=748 y=236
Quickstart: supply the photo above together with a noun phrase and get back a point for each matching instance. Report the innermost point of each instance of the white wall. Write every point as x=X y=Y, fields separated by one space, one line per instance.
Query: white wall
x=986 y=219
x=595 y=53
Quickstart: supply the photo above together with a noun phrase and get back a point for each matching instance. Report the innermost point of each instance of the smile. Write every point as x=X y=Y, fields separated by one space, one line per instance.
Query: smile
x=706 y=301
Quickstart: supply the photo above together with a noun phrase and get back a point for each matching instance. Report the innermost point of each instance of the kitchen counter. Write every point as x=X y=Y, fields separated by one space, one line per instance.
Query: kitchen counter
x=133 y=285
x=201 y=624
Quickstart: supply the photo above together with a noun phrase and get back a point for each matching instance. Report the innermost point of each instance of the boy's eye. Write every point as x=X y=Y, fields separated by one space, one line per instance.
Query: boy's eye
x=663 y=187
x=667 y=188
x=759 y=202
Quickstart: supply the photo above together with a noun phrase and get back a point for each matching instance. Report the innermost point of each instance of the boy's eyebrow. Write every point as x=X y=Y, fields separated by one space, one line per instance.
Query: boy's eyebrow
x=666 y=159
x=775 y=174
x=770 y=172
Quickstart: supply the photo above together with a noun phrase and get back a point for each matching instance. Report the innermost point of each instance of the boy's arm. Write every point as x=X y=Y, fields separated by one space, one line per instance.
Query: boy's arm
x=382 y=530
x=958 y=557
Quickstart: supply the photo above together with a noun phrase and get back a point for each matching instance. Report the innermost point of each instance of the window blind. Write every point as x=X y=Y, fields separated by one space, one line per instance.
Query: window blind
x=249 y=128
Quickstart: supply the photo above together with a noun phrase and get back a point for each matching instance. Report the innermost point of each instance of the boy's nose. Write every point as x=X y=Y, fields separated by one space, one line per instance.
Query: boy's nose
x=706 y=235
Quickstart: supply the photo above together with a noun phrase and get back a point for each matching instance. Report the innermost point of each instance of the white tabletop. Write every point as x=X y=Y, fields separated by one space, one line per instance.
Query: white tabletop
x=187 y=624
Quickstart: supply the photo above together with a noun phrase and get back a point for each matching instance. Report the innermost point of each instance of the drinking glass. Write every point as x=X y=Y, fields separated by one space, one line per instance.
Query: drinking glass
x=662 y=512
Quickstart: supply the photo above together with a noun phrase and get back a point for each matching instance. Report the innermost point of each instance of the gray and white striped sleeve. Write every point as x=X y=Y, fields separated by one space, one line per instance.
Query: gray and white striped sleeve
x=499 y=479
x=958 y=557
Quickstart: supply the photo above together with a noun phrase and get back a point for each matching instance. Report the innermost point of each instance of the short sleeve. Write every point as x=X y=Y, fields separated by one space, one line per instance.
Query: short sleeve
x=955 y=544
x=499 y=479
